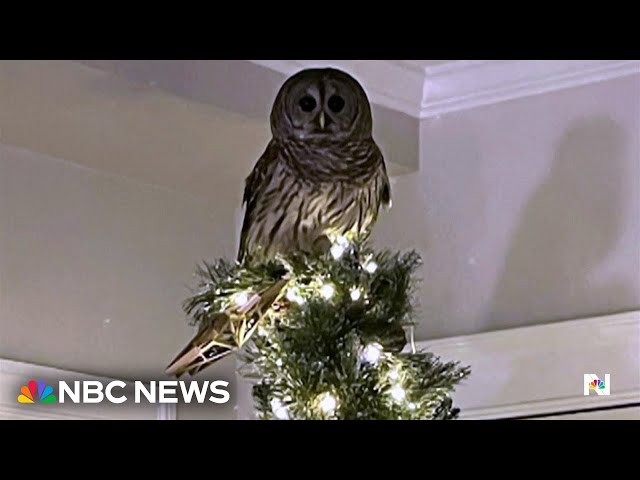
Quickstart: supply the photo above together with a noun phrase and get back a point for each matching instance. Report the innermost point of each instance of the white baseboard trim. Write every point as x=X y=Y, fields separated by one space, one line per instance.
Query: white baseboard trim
x=539 y=370
x=544 y=408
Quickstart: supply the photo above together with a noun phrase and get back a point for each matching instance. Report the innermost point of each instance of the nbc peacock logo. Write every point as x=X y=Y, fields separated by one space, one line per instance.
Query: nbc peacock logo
x=593 y=384
x=36 y=392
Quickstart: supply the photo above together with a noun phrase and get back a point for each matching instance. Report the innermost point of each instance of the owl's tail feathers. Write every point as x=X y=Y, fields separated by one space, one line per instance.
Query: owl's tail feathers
x=226 y=333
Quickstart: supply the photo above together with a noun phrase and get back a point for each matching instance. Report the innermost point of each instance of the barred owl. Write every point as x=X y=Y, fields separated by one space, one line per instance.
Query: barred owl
x=322 y=174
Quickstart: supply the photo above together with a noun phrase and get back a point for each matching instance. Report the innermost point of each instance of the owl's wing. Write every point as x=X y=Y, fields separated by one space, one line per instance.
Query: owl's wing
x=385 y=185
x=254 y=184
x=385 y=195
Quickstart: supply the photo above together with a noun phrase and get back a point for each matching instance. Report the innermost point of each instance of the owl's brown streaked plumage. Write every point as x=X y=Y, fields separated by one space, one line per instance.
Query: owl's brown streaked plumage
x=322 y=174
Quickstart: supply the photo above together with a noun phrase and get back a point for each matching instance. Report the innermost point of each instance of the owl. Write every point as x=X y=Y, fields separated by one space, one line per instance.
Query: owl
x=321 y=176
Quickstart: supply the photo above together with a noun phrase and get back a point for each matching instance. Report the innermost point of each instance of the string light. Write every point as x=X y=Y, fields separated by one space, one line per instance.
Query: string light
x=337 y=251
x=279 y=362
x=411 y=406
x=293 y=295
x=279 y=410
x=394 y=374
x=398 y=393
x=241 y=299
x=356 y=293
x=338 y=248
x=370 y=266
x=327 y=403
x=372 y=353
x=327 y=290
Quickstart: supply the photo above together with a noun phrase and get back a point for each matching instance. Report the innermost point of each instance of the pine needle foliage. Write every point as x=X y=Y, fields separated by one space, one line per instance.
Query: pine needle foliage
x=335 y=344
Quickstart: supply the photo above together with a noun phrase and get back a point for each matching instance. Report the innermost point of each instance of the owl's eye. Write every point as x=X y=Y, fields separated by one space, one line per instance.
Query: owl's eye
x=336 y=103
x=307 y=103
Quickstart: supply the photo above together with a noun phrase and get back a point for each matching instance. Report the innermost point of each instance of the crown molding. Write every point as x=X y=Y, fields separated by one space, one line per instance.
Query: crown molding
x=467 y=84
x=404 y=86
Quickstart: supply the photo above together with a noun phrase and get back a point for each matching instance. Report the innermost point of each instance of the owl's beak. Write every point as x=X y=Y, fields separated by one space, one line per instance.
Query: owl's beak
x=321 y=120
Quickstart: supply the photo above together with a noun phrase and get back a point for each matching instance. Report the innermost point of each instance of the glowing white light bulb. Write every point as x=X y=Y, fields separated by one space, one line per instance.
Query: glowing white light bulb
x=279 y=410
x=398 y=393
x=328 y=403
x=327 y=290
x=338 y=248
x=337 y=251
x=356 y=293
x=371 y=266
x=293 y=295
x=411 y=406
x=372 y=353
x=241 y=299
x=279 y=362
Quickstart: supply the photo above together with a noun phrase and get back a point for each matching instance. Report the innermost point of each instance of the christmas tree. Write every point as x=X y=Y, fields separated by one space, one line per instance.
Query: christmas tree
x=332 y=338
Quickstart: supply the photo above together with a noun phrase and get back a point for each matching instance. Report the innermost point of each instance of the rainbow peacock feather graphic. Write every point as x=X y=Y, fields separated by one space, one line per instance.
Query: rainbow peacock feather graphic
x=44 y=391
x=599 y=384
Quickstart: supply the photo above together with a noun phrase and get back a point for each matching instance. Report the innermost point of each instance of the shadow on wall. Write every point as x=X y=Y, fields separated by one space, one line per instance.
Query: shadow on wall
x=567 y=229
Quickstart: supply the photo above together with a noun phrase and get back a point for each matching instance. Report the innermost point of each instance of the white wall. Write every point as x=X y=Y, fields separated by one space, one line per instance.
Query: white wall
x=94 y=268
x=526 y=211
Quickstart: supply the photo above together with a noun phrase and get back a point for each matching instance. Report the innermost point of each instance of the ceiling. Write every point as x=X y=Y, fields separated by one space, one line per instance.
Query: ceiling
x=191 y=126
x=98 y=120
x=249 y=86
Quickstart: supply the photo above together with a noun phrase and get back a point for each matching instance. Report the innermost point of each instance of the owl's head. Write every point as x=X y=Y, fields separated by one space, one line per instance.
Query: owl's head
x=321 y=104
